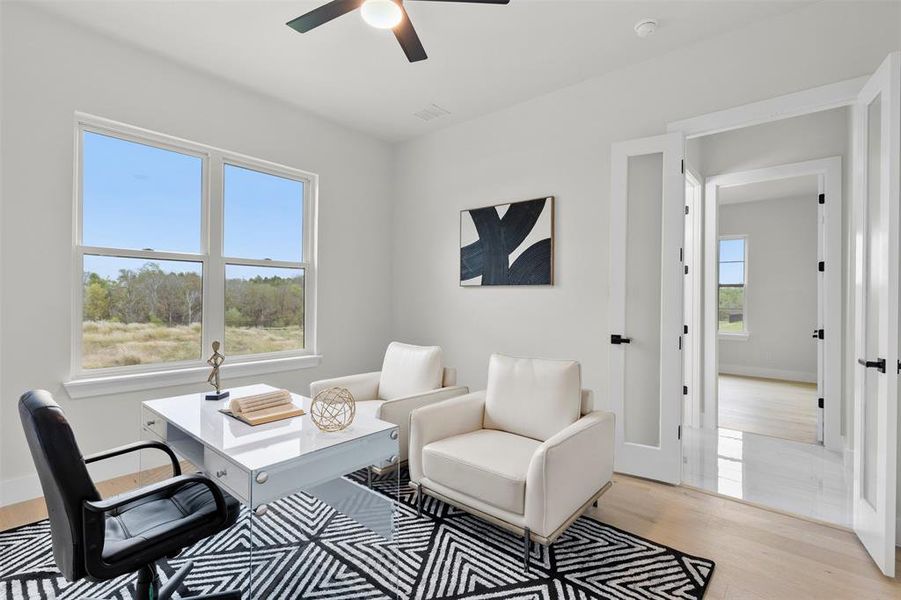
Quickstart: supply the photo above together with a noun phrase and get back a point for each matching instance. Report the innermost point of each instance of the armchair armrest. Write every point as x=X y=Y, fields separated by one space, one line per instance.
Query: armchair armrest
x=134 y=447
x=441 y=420
x=397 y=410
x=364 y=386
x=567 y=470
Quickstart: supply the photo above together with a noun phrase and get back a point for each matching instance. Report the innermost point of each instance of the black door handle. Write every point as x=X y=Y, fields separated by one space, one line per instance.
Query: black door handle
x=618 y=339
x=878 y=364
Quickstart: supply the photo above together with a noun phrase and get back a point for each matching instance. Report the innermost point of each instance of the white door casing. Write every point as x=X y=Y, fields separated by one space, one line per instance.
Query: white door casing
x=646 y=279
x=829 y=173
x=877 y=152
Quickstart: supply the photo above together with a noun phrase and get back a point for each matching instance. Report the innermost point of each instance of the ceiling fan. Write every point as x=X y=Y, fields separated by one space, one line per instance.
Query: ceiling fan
x=383 y=14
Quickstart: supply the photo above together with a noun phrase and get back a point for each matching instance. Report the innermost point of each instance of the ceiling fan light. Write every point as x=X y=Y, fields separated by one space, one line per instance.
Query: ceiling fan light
x=381 y=14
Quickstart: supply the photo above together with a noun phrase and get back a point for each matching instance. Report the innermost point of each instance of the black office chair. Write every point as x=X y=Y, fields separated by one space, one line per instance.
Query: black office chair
x=103 y=539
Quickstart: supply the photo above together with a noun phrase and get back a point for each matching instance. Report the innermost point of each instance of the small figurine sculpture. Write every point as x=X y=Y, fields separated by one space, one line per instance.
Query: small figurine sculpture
x=215 y=361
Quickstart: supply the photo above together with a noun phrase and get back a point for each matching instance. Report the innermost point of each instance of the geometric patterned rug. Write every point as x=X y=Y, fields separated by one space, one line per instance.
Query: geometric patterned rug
x=305 y=549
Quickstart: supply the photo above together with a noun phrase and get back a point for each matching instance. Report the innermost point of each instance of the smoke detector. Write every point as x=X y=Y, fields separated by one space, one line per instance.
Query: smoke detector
x=645 y=27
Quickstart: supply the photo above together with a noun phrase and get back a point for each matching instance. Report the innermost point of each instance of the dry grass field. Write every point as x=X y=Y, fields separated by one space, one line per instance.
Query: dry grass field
x=109 y=344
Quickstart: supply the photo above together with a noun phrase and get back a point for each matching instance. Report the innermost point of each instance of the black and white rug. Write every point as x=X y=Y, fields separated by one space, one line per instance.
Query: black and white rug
x=305 y=549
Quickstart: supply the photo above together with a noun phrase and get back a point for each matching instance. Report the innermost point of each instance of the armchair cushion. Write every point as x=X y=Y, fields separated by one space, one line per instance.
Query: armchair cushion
x=364 y=386
x=535 y=398
x=486 y=464
x=441 y=420
x=409 y=370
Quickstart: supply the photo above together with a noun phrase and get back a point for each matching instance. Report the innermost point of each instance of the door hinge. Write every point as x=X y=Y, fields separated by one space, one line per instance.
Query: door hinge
x=686 y=209
x=683 y=165
x=686 y=269
x=821 y=199
x=685 y=329
x=680 y=342
x=821 y=334
x=681 y=255
x=821 y=266
x=820 y=402
x=679 y=432
x=684 y=390
x=619 y=339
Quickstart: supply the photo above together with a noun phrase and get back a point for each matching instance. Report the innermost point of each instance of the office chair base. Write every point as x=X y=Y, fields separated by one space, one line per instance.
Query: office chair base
x=148 y=585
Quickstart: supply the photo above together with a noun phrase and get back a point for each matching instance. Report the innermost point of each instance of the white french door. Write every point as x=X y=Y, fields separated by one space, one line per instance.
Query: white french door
x=877 y=130
x=646 y=279
x=821 y=311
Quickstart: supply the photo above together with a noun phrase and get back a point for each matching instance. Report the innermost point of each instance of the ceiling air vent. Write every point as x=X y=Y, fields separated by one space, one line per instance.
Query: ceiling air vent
x=430 y=112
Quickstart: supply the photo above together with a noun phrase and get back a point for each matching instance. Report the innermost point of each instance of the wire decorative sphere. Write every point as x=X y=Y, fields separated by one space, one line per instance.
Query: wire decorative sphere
x=333 y=409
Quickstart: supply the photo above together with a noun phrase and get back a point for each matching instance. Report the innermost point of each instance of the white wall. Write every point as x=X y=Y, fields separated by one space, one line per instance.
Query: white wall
x=781 y=295
x=559 y=144
x=52 y=69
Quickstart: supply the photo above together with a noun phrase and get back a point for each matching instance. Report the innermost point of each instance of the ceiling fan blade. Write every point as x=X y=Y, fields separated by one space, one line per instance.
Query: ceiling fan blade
x=323 y=14
x=408 y=39
x=472 y=1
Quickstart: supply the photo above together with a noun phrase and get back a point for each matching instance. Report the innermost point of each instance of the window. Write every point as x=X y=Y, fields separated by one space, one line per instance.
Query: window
x=732 y=285
x=179 y=244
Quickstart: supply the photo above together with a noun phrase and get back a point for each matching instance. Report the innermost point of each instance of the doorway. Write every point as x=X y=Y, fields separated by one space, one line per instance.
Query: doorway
x=773 y=271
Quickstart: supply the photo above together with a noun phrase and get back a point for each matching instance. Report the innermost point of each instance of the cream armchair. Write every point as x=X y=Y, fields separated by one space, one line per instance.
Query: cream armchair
x=528 y=454
x=411 y=377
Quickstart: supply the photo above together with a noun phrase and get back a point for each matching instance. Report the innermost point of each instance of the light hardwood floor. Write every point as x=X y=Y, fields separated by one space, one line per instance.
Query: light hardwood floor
x=759 y=554
x=783 y=409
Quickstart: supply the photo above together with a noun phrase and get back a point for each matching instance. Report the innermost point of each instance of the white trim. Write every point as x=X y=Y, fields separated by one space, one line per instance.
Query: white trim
x=829 y=172
x=765 y=373
x=157 y=378
x=693 y=260
x=733 y=336
x=210 y=255
x=825 y=97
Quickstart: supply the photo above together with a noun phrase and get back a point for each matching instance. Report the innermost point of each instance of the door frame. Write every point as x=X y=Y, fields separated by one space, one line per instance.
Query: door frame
x=693 y=253
x=829 y=173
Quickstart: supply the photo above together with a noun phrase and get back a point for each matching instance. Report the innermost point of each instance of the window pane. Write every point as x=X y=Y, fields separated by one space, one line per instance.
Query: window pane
x=138 y=196
x=732 y=250
x=732 y=273
x=264 y=309
x=263 y=215
x=731 y=309
x=138 y=311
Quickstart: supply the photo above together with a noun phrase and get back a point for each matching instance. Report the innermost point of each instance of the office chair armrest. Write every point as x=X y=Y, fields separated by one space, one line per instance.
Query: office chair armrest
x=99 y=507
x=134 y=447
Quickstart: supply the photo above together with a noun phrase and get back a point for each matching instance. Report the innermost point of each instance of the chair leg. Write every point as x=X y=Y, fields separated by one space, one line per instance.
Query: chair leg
x=166 y=592
x=418 y=501
x=526 y=548
x=595 y=503
x=369 y=477
x=147 y=584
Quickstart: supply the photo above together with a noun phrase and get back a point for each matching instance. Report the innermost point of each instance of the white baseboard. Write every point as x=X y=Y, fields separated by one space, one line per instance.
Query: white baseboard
x=768 y=373
x=20 y=489
x=28 y=487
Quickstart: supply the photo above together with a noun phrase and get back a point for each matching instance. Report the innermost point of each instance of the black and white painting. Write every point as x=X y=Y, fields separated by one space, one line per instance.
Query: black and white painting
x=508 y=244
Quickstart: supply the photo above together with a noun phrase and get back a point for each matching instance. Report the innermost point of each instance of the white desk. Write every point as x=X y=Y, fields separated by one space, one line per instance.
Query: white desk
x=264 y=463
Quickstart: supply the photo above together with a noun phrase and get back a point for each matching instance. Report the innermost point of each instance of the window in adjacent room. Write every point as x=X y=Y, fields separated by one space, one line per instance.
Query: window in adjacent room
x=179 y=244
x=732 y=285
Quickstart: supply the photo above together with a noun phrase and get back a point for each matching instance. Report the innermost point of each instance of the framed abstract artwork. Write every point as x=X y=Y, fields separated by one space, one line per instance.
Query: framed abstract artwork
x=508 y=244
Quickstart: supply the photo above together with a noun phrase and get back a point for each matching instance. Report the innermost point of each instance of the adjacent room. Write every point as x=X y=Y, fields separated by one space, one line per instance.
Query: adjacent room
x=450 y=299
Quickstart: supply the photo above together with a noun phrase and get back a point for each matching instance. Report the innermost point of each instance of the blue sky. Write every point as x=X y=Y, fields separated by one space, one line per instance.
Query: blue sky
x=732 y=266
x=138 y=196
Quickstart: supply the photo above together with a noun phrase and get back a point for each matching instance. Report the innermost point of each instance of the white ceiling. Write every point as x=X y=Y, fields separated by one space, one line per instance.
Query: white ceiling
x=481 y=57
x=793 y=187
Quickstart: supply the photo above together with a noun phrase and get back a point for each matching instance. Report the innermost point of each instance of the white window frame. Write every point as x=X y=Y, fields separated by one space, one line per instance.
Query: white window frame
x=90 y=382
x=746 y=331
